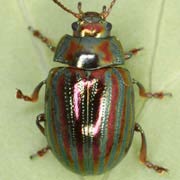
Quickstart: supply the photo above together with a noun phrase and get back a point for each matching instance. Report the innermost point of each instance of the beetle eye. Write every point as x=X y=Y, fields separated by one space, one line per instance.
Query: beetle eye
x=75 y=26
x=109 y=26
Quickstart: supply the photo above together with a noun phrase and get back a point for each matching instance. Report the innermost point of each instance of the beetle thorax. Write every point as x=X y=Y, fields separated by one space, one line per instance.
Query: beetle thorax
x=92 y=25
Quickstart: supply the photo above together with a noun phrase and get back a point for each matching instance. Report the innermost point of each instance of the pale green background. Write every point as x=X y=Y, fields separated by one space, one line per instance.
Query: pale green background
x=152 y=24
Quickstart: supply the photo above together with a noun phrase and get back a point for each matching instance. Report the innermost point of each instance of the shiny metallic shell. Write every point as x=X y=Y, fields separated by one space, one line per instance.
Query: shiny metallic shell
x=106 y=50
x=89 y=117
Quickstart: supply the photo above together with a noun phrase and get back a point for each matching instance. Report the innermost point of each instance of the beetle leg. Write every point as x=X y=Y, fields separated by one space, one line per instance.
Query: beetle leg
x=131 y=53
x=34 y=96
x=44 y=39
x=143 y=152
x=40 y=118
x=143 y=93
x=40 y=153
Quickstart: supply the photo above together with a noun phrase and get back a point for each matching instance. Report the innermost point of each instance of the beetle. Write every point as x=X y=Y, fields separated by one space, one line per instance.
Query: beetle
x=89 y=105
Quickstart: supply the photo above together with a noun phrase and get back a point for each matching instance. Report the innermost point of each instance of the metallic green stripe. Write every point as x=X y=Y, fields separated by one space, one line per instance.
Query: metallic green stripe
x=104 y=131
x=131 y=120
x=127 y=120
x=50 y=134
x=56 y=119
x=119 y=113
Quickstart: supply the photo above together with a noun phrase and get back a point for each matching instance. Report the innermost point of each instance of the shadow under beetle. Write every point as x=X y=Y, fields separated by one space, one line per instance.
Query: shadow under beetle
x=89 y=105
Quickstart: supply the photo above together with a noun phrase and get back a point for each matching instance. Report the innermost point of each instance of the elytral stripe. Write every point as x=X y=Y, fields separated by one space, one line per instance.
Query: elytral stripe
x=87 y=89
x=122 y=127
x=97 y=106
x=106 y=99
x=127 y=118
x=118 y=108
x=50 y=127
x=79 y=111
x=84 y=125
x=127 y=122
x=131 y=120
x=68 y=97
x=93 y=90
x=56 y=120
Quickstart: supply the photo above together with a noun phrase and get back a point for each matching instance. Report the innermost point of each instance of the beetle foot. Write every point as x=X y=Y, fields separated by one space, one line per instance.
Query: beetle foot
x=20 y=95
x=136 y=50
x=40 y=153
x=158 y=169
x=158 y=95
x=132 y=52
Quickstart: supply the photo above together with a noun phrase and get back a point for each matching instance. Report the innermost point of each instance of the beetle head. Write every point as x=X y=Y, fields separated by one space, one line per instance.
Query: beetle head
x=91 y=24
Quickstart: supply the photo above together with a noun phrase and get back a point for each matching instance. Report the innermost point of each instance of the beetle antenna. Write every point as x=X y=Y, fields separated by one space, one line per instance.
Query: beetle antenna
x=80 y=8
x=77 y=15
x=104 y=9
x=105 y=12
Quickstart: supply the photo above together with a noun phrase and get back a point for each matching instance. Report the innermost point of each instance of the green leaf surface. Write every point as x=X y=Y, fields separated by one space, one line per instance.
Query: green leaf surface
x=25 y=61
